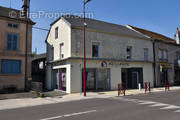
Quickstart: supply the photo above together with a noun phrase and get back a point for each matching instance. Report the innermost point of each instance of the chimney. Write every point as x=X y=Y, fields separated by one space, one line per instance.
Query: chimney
x=177 y=36
x=25 y=7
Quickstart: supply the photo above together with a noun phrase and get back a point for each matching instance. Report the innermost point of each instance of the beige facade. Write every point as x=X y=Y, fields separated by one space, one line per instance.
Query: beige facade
x=170 y=64
x=14 y=79
x=166 y=57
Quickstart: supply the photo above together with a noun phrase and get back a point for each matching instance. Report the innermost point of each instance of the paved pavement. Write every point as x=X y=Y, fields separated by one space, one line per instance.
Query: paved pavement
x=157 y=106
x=27 y=102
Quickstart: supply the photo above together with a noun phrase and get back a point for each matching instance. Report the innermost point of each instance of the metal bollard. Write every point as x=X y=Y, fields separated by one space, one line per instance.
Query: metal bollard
x=119 y=89
x=166 y=85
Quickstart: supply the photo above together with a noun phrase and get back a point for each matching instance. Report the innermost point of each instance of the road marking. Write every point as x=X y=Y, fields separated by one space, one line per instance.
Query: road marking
x=69 y=115
x=158 y=105
x=153 y=104
x=170 y=107
x=177 y=111
x=146 y=103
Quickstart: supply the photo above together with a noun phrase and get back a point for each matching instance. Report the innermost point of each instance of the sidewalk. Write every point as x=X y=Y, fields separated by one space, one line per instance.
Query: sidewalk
x=27 y=102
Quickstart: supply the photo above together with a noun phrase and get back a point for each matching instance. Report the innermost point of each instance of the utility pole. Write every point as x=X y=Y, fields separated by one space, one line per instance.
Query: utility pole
x=25 y=14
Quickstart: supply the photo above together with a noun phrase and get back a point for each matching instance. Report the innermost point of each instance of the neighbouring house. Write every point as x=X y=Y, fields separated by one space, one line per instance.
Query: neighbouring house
x=38 y=72
x=115 y=54
x=166 y=57
x=13 y=50
x=177 y=61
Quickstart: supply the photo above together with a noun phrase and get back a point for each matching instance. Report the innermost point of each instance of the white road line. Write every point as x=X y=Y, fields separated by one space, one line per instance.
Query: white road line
x=177 y=111
x=158 y=105
x=170 y=107
x=153 y=104
x=146 y=103
x=69 y=115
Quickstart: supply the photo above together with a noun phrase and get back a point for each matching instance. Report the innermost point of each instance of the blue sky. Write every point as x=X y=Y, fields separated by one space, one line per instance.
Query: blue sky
x=160 y=16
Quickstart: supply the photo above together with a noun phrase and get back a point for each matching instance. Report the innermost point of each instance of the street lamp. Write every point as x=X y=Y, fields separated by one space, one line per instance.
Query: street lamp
x=84 y=43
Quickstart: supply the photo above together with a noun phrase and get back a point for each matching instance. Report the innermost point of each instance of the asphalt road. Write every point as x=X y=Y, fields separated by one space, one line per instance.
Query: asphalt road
x=159 y=106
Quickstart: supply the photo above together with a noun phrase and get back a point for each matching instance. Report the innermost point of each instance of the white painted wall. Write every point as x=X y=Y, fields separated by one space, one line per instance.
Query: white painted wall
x=68 y=76
x=63 y=37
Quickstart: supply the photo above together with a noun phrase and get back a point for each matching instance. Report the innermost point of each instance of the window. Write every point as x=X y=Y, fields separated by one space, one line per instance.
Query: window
x=12 y=42
x=56 y=32
x=163 y=54
x=177 y=56
x=10 y=66
x=62 y=50
x=10 y=25
x=160 y=55
x=16 y=26
x=146 y=54
x=95 y=49
x=129 y=52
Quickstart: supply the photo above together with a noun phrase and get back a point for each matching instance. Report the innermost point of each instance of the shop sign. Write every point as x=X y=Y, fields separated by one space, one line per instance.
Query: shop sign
x=165 y=66
x=118 y=64
x=104 y=64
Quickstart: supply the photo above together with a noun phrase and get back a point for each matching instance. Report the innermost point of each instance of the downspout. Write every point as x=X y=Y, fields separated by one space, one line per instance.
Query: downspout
x=154 y=62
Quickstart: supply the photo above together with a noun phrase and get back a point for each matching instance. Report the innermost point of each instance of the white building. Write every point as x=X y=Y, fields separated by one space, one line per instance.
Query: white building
x=115 y=54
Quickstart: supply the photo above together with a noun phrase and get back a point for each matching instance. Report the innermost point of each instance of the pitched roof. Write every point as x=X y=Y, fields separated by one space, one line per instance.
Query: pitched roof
x=98 y=25
x=40 y=56
x=153 y=35
x=13 y=14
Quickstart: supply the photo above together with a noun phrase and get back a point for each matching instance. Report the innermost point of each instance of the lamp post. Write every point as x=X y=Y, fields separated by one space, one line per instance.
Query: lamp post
x=84 y=42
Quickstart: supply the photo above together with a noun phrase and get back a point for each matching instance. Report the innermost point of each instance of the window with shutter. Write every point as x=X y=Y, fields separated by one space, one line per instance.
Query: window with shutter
x=10 y=66
x=12 y=41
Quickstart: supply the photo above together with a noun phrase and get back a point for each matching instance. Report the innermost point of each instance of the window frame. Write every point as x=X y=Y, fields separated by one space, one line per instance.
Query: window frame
x=98 y=51
x=12 y=72
x=146 y=51
x=17 y=42
x=61 y=46
x=127 y=54
x=56 y=32
x=12 y=25
x=163 y=51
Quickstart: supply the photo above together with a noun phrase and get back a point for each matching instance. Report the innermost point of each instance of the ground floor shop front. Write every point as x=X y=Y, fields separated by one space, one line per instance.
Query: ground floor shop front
x=100 y=75
x=165 y=73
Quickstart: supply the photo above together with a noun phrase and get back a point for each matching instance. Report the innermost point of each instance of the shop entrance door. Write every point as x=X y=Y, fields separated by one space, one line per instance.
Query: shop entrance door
x=135 y=80
x=103 y=81
x=164 y=76
x=90 y=80
x=131 y=77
